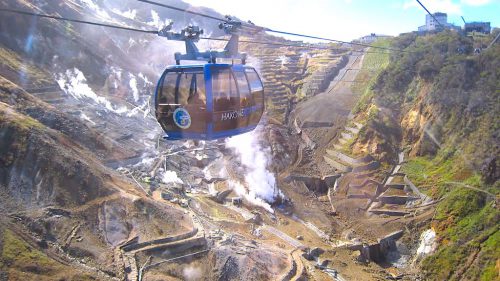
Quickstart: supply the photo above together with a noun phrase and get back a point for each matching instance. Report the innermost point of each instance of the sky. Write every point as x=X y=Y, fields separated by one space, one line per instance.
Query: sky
x=350 y=19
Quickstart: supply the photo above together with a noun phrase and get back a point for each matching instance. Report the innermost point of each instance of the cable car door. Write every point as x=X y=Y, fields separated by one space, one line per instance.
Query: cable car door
x=226 y=101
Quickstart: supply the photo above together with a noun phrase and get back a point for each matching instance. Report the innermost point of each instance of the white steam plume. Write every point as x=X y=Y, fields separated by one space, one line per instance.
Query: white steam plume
x=97 y=10
x=427 y=244
x=255 y=159
x=192 y=273
x=171 y=177
x=74 y=83
x=283 y=60
x=131 y=14
x=249 y=195
x=84 y=116
x=145 y=79
x=156 y=21
x=133 y=86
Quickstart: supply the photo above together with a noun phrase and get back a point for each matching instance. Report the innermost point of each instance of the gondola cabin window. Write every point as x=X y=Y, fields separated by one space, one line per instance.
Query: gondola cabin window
x=182 y=102
x=257 y=96
x=224 y=91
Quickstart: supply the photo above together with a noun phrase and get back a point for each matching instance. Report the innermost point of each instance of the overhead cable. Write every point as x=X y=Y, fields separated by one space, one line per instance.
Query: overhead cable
x=39 y=15
x=269 y=29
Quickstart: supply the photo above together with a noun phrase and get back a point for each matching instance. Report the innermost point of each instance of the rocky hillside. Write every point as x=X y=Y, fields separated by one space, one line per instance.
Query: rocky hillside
x=439 y=103
x=74 y=107
x=57 y=194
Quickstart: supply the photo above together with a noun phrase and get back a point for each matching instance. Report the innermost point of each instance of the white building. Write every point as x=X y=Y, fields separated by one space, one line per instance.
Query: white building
x=431 y=24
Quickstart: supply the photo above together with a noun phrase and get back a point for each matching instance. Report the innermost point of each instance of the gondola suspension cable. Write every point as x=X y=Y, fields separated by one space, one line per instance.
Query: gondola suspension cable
x=156 y=32
x=422 y=5
x=271 y=43
x=139 y=30
x=271 y=30
x=333 y=40
x=77 y=21
x=291 y=45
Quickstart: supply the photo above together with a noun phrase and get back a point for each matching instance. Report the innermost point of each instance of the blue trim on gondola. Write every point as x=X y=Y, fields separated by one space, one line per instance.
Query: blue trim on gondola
x=199 y=136
x=209 y=96
x=162 y=77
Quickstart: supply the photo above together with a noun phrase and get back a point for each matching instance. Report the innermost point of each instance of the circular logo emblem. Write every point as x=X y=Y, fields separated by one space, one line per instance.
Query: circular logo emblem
x=182 y=118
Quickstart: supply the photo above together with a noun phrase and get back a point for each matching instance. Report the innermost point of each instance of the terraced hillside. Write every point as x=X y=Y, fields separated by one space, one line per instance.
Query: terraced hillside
x=292 y=73
x=386 y=165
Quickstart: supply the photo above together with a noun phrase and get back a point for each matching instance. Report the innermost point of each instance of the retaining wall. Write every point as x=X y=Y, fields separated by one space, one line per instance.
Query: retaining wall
x=135 y=246
x=368 y=167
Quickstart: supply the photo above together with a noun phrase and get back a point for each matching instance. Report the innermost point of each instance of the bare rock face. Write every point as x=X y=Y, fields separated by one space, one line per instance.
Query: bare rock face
x=60 y=194
x=39 y=169
x=425 y=146
x=421 y=129
x=490 y=171
x=115 y=228
x=255 y=264
x=283 y=149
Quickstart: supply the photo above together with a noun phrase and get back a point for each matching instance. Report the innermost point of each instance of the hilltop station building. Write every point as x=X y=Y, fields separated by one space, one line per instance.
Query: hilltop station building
x=434 y=23
x=476 y=26
x=437 y=20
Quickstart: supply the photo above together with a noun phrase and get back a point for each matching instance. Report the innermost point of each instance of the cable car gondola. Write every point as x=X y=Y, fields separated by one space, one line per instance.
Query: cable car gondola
x=212 y=100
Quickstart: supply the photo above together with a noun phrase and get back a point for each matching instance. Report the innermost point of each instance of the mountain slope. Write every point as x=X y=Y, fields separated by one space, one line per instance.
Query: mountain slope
x=54 y=187
x=444 y=112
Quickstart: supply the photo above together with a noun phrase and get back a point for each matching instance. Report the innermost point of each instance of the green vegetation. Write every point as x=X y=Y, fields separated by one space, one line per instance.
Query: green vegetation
x=469 y=236
x=300 y=94
x=445 y=61
x=440 y=78
x=466 y=219
x=346 y=147
x=461 y=89
x=21 y=261
x=373 y=64
x=432 y=174
x=453 y=93
x=9 y=117
x=15 y=63
x=18 y=254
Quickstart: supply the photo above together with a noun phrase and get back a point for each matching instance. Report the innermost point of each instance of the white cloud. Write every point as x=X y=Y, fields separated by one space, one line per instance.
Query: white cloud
x=445 y=6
